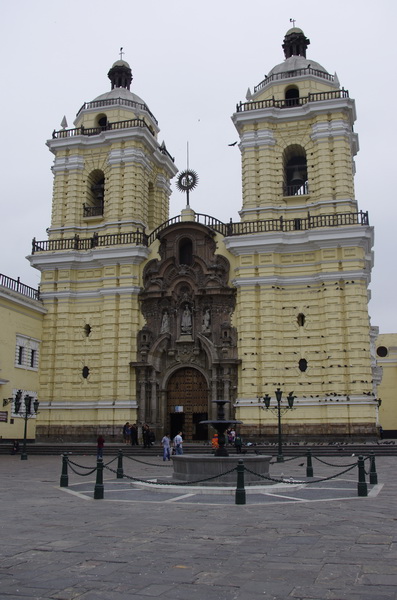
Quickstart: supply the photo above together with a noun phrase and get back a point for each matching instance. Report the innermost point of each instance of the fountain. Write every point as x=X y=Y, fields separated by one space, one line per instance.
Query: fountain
x=196 y=467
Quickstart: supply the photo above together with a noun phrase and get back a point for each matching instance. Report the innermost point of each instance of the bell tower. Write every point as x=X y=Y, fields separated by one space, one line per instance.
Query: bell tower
x=297 y=140
x=110 y=173
x=111 y=189
x=304 y=255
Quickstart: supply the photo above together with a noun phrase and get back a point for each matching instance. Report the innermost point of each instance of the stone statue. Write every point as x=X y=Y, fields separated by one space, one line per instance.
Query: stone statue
x=206 y=320
x=186 y=323
x=165 y=323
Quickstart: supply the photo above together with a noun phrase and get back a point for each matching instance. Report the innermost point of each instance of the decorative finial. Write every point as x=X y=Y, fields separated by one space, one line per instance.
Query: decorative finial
x=121 y=52
x=293 y=21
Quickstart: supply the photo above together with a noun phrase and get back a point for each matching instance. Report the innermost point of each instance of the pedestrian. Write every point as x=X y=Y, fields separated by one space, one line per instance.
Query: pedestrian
x=178 y=443
x=100 y=443
x=126 y=433
x=166 y=447
x=238 y=442
x=146 y=435
x=215 y=441
x=15 y=447
x=134 y=435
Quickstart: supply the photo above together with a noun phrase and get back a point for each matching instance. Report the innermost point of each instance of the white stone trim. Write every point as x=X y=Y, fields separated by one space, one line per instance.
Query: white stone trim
x=86 y=405
x=119 y=156
x=306 y=111
x=25 y=301
x=256 y=139
x=68 y=163
x=94 y=259
x=93 y=294
x=353 y=399
x=301 y=241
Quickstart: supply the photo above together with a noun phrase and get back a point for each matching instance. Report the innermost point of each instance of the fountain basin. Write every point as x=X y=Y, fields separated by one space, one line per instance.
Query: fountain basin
x=196 y=467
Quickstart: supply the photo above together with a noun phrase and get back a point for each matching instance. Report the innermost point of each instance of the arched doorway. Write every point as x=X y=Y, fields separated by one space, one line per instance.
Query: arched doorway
x=187 y=404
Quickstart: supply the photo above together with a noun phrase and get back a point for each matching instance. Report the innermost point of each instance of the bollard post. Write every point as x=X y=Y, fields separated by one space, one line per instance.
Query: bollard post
x=98 y=490
x=362 y=484
x=120 y=471
x=373 y=475
x=309 y=466
x=240 y=490
x=64 y=482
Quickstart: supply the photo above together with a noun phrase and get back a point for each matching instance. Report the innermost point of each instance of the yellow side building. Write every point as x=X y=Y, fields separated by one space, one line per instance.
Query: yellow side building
x=21 y=318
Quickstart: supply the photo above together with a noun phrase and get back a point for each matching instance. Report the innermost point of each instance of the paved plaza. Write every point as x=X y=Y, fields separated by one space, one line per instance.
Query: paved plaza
x=291 y=540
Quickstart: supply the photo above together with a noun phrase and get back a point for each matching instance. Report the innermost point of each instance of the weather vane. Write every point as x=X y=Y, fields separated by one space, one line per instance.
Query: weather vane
x=187 y=179
x=293 y=21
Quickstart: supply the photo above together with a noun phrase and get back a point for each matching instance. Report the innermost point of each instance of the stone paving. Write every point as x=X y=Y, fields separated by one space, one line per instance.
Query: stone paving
x=317 y=542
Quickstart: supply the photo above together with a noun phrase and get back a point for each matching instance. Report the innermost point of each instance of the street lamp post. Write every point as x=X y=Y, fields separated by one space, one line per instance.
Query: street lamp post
x=281 y=410
x=27 y=403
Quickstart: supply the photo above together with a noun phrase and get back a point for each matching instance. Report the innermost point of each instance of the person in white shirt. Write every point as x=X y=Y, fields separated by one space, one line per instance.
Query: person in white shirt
x=178 y=443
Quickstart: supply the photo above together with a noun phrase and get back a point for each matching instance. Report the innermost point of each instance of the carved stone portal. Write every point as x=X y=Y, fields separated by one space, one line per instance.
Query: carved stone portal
x=188 y=347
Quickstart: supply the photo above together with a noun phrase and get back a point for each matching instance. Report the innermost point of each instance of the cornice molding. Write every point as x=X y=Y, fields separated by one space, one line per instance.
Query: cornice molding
x=306 y=111
x=302 y=241
x=16 y=298
x=98 y=257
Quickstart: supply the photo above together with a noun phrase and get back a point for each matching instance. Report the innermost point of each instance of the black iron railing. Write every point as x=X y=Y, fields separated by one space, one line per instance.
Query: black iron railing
x=66 y=133
x=140 y=238
x=93 y=211
x=135 y=238
x=296 y=190
x=117 y=102
x=16 y=286
x=291 y=102
x=295 y=73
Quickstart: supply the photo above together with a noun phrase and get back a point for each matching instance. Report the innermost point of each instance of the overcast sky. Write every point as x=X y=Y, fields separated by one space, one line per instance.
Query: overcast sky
x=191 y=63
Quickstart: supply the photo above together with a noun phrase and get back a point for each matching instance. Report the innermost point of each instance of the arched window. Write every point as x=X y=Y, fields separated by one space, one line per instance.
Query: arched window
x=102 y=121
x=95 y=194
x=295 y=171
x=186 y=252
x=292 y=96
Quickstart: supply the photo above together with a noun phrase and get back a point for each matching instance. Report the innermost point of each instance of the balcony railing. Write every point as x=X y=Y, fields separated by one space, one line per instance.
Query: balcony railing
x=291 y=102
x=140 y=238
x=133 y=238
x=92 y=211
x=16 y=286
x=66 y=133
x=296 y=190
x=117 y=102
x=295 y=73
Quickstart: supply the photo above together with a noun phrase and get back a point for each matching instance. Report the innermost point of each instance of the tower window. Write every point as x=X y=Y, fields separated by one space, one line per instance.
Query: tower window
x=295 y=171
x=85 y=372
x=292 y=97
x=95 y=194
x=301 y=319
x=186 y=252
x=102 y=121
x=87 y=329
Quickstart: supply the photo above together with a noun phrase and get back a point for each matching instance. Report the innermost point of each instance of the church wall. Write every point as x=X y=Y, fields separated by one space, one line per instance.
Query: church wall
x=21 y=321
x=103 y=299
x=386 y=355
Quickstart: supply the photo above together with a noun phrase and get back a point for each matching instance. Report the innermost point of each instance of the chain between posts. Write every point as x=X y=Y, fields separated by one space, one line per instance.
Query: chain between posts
x=145 y=463
x=174 y=482
x=295 y=481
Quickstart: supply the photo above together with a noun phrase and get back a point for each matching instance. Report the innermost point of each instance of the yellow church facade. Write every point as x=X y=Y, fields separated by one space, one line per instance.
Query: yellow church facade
x=150 y=319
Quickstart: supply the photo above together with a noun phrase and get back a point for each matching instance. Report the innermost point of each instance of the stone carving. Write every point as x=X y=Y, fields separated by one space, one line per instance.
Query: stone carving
x=186 y=322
